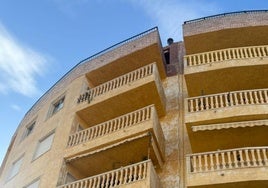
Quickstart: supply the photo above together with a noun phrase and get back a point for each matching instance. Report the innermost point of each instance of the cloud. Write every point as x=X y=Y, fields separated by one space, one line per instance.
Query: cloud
x=16 y=107
x=19 y=66
x=169 y=15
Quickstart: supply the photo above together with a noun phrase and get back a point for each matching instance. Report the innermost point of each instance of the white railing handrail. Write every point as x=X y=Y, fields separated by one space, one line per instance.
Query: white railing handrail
x=227 y=159
x=126 y=172
x=226 y=150
x=217 y=94
x=227 y=99
x=113 y=125
x=225 y=54
x=117 y=82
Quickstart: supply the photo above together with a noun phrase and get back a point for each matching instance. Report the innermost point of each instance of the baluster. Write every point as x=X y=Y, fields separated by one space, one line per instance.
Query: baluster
x=126 y=175
x=250 y=98
x=223 y=160
x=115 y=183
x=139 y=171
x=247 y=157
x=241 y=101
x=256 y=97
x=200 y=169
x=216 y=56
x=246 y=52
x=259 y=159
x=206 y=162
x=109 y=181
x=260 y=96
x=121 y=176
x=231 y=99
x=145 y=170
x=254 y=52
x=241 y=158
x=235 y=98
x=221 y=58
x=102 y=181
x=201 y=103
x=226 y=97
x=265 y=159
x=196 y=104
x=221 y=101
x=207 y=104
x=198 y=60
x=235 y=156
x=265 y=96
x=241 y=53
x=216 y=101
x=259 y=52
x=194 y=60
x=135 y=173
x=217 y=161
x=211 y=162
x=203 y=58
x=211 y=102
x=225 y=56
x=194 y=164
x=229 y=160
x=130 y=175
x=191 y=105
x=254 y=161
x=94 y=182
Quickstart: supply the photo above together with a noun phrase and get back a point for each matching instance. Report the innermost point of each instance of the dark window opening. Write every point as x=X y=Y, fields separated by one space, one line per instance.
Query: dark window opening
x=167 y=56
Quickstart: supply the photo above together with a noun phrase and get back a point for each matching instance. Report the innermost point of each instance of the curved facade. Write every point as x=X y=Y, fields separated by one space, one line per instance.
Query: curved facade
x=191 y=114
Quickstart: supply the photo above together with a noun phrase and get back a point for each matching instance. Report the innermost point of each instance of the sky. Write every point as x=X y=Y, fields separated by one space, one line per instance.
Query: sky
x=42 y=40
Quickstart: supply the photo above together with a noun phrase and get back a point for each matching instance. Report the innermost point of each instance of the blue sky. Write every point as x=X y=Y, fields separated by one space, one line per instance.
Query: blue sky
x=41 y=40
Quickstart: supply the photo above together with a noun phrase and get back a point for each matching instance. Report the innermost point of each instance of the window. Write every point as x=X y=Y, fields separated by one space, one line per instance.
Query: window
x=34 y=184
x=167 y=56
x=15 y=168
x=29 y=130
x=57 y=105
x=44 y=145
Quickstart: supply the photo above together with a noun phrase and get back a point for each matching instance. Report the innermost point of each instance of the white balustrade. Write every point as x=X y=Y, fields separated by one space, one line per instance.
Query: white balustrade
x=113 y=84
x=227 y=159
x=225 y=54
x=112 y=125
x=222 y=100
x=114 y=178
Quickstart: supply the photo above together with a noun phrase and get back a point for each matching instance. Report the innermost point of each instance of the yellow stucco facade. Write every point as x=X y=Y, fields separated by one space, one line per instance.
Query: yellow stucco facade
x=122 y=118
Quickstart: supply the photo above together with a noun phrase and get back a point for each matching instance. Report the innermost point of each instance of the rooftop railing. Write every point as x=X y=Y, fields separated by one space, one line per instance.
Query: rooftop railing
x=111 y=126
x=225 y=55
x=113 y=84
x=115 y=178
x=224 y=14
x=229 y=99
x=227 y=159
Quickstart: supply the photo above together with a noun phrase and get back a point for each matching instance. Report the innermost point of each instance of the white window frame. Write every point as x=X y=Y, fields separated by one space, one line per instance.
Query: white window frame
x=32 y=183
x=37 y=153
x=11 y=172
x=26 y=131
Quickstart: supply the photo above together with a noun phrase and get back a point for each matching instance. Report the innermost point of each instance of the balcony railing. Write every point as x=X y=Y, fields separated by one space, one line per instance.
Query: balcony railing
x=230 y=99
x=114 y=178
x=106 y=87
x=227 y=159
x=110 y=126
x=225 y=54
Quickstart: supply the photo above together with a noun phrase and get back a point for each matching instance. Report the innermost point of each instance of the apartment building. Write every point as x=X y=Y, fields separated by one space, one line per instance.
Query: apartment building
x=140 y=114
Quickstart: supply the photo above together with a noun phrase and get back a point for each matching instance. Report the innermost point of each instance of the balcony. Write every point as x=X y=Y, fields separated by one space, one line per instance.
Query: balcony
x=126 y=93
x=214 y=71
x=243 y=167
x=140 y=175
x=105 y=145
x=126 y=56
x=228 y=30
x=227 y=120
